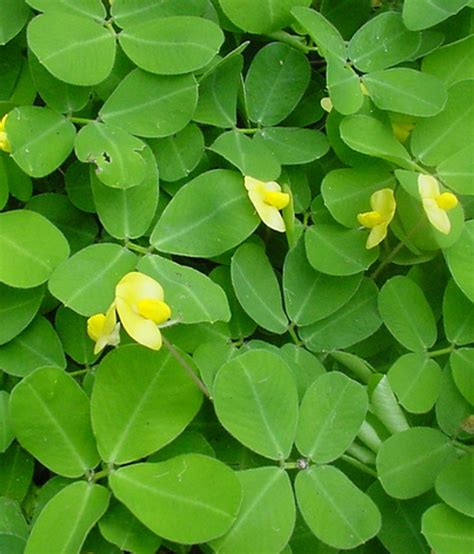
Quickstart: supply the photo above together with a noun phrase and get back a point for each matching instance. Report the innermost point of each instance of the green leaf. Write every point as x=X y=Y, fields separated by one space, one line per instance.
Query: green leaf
x=40 y=138
x=338 y=329
x=347 y=191
x=13 y=527
x=453 y=485
x=131 y=12
x=86 y=282
x=87 y=8
x=306 y=368
x=459 y=258
x=57 y=94
x=276 y=81
x=39 y=406
x=451 y=63
x=128 y=213
x=416 y=380
x=344 y=86
x=409 y=462
x=384 y=405
x=251 y=157
x=457 y=171
x=452 y=409
x=172 y=45
x=257 y=528
x=140 y=402
x=422 y=14
x=370 y=136
x=401 y=528
x=335 y=250
x=448 y=531
x=6 y=425
x=406 y=91
x=192 y=296
x=311 y=295
x=30 y=248
x=67 y=519
x=77 y=50
x=439 y=137
x=462 y=365
x=79 y=229
x=257 y=288
x=119 y=526
x=292 y=145
x=210 y=357
x=458 y=314
x=260 y=18
x=17 y=309
x=115 y=154
x=382 y=42
x=209 y=215
x=16 y=473
x=37 y=346
x=151 y=105
x=199 y=490
x=177 y=155
x=322 y=32
x=14 y=17
x=336 y=511
x=72 y=330
x=331 y=414
x=218 y=91
x=255 y=399
x=407 y=314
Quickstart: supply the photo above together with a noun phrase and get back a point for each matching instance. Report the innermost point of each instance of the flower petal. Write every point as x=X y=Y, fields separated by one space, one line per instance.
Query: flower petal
x=383 y=202
x=428 y=186
x=376 y=235
x=142 y=330
x=268 y=214
x=437 y=217
x=136 y=286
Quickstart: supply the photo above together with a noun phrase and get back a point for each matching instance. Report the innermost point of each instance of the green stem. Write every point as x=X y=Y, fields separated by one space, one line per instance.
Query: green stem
x=138 y=248
x=100 y=474
x=82 y=120
x=466 y=447
x=293 y=335
x=395 y=251
x=291 y=40
x=441 y=351
x=79 y=372
x=359 y=465
x=250 y=131
x=189 y=370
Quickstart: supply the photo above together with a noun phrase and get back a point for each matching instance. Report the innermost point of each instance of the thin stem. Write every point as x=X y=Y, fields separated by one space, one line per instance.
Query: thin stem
x=79 y=372
x=441 y=351
x=293 y=335
x=250 y=131
x=291 y=40
x=137 y=248
x=359 y=465
x=100 y=474
x=82 y=120
x=395 y=251
x=466 y=447
x=184 y=364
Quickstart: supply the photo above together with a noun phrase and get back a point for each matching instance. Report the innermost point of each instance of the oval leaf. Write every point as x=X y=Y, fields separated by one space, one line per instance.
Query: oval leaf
x=39 y=406
x=255 y=399
x=192 y=488
x=448 y=531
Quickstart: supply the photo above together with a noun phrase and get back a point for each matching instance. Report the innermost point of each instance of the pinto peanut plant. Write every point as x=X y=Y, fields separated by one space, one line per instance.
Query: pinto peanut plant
x=236 y=287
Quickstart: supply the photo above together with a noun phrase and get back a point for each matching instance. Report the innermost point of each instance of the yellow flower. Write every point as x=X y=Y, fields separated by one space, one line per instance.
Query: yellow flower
x=140 y=306
x=383 y=207
x=268 y=200
x=435 y=203
x=402 y=131
x=104 y=329
x=4 y=144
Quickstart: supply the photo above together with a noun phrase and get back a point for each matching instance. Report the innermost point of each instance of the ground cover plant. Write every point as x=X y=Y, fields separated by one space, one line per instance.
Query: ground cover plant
x=236 y=293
